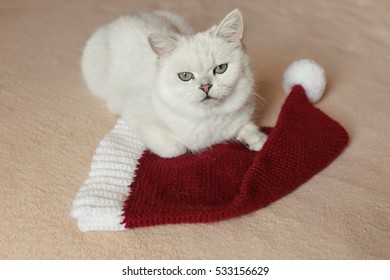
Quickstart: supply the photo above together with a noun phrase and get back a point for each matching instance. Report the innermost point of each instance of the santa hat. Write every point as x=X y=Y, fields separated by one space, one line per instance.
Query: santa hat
x=128 y=186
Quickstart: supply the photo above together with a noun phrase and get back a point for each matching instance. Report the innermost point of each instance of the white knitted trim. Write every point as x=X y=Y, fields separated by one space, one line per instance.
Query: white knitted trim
x=99 y=203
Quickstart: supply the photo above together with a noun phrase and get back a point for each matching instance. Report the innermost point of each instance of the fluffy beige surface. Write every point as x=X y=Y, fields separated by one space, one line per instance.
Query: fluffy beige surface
x=50 y=126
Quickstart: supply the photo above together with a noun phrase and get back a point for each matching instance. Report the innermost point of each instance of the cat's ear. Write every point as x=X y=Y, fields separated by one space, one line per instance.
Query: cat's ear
x=161 y=44
x=231 y=27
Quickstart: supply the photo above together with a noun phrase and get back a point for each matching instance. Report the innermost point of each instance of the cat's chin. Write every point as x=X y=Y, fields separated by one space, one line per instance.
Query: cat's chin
x=214 y=100
x=209 y=99
x=211 y=102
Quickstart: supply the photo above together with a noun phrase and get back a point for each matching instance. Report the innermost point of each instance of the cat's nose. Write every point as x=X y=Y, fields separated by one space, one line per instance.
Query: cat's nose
x=206 y=88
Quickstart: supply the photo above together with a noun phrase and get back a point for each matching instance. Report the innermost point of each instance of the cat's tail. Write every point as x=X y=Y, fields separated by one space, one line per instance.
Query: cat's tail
x=307 y=73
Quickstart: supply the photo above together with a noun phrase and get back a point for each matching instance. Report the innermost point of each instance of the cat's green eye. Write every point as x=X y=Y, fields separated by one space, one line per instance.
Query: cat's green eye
x=220 y=69
x=185 y=76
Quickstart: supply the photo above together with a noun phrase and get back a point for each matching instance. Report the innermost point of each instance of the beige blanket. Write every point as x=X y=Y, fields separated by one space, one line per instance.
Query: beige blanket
x=50 y=126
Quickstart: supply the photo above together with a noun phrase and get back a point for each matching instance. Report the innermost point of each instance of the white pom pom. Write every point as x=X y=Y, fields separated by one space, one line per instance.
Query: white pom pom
x=307 y=73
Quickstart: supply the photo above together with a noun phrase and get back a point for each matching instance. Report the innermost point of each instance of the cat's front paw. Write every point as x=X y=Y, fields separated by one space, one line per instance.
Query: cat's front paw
x=171 y=151
x=160 y=142
x=251 y=136
x=256 y=142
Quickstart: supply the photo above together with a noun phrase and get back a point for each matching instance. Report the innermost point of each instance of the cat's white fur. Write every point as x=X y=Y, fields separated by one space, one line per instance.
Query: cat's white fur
x=133 y=63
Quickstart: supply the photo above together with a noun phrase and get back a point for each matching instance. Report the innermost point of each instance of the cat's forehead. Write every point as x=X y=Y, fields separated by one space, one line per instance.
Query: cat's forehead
x=202 y=53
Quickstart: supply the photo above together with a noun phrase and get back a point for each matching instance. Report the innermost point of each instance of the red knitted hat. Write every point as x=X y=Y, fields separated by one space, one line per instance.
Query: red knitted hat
x=227 y=180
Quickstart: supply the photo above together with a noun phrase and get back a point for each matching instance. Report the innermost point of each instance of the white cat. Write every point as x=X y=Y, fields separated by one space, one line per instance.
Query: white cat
x=176 y=90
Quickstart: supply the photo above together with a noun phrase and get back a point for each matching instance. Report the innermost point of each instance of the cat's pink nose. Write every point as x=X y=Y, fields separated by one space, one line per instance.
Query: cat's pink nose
x=206 y=88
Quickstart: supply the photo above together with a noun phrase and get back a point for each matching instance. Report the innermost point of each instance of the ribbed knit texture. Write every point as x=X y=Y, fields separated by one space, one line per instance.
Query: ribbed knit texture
x=228 y=180
x=99 y=203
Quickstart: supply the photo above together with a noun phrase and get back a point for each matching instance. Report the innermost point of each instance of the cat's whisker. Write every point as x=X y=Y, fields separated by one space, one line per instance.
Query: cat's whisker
x=261 y=99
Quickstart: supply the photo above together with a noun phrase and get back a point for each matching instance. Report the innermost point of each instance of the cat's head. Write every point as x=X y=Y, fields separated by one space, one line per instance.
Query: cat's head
x=205 y=73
